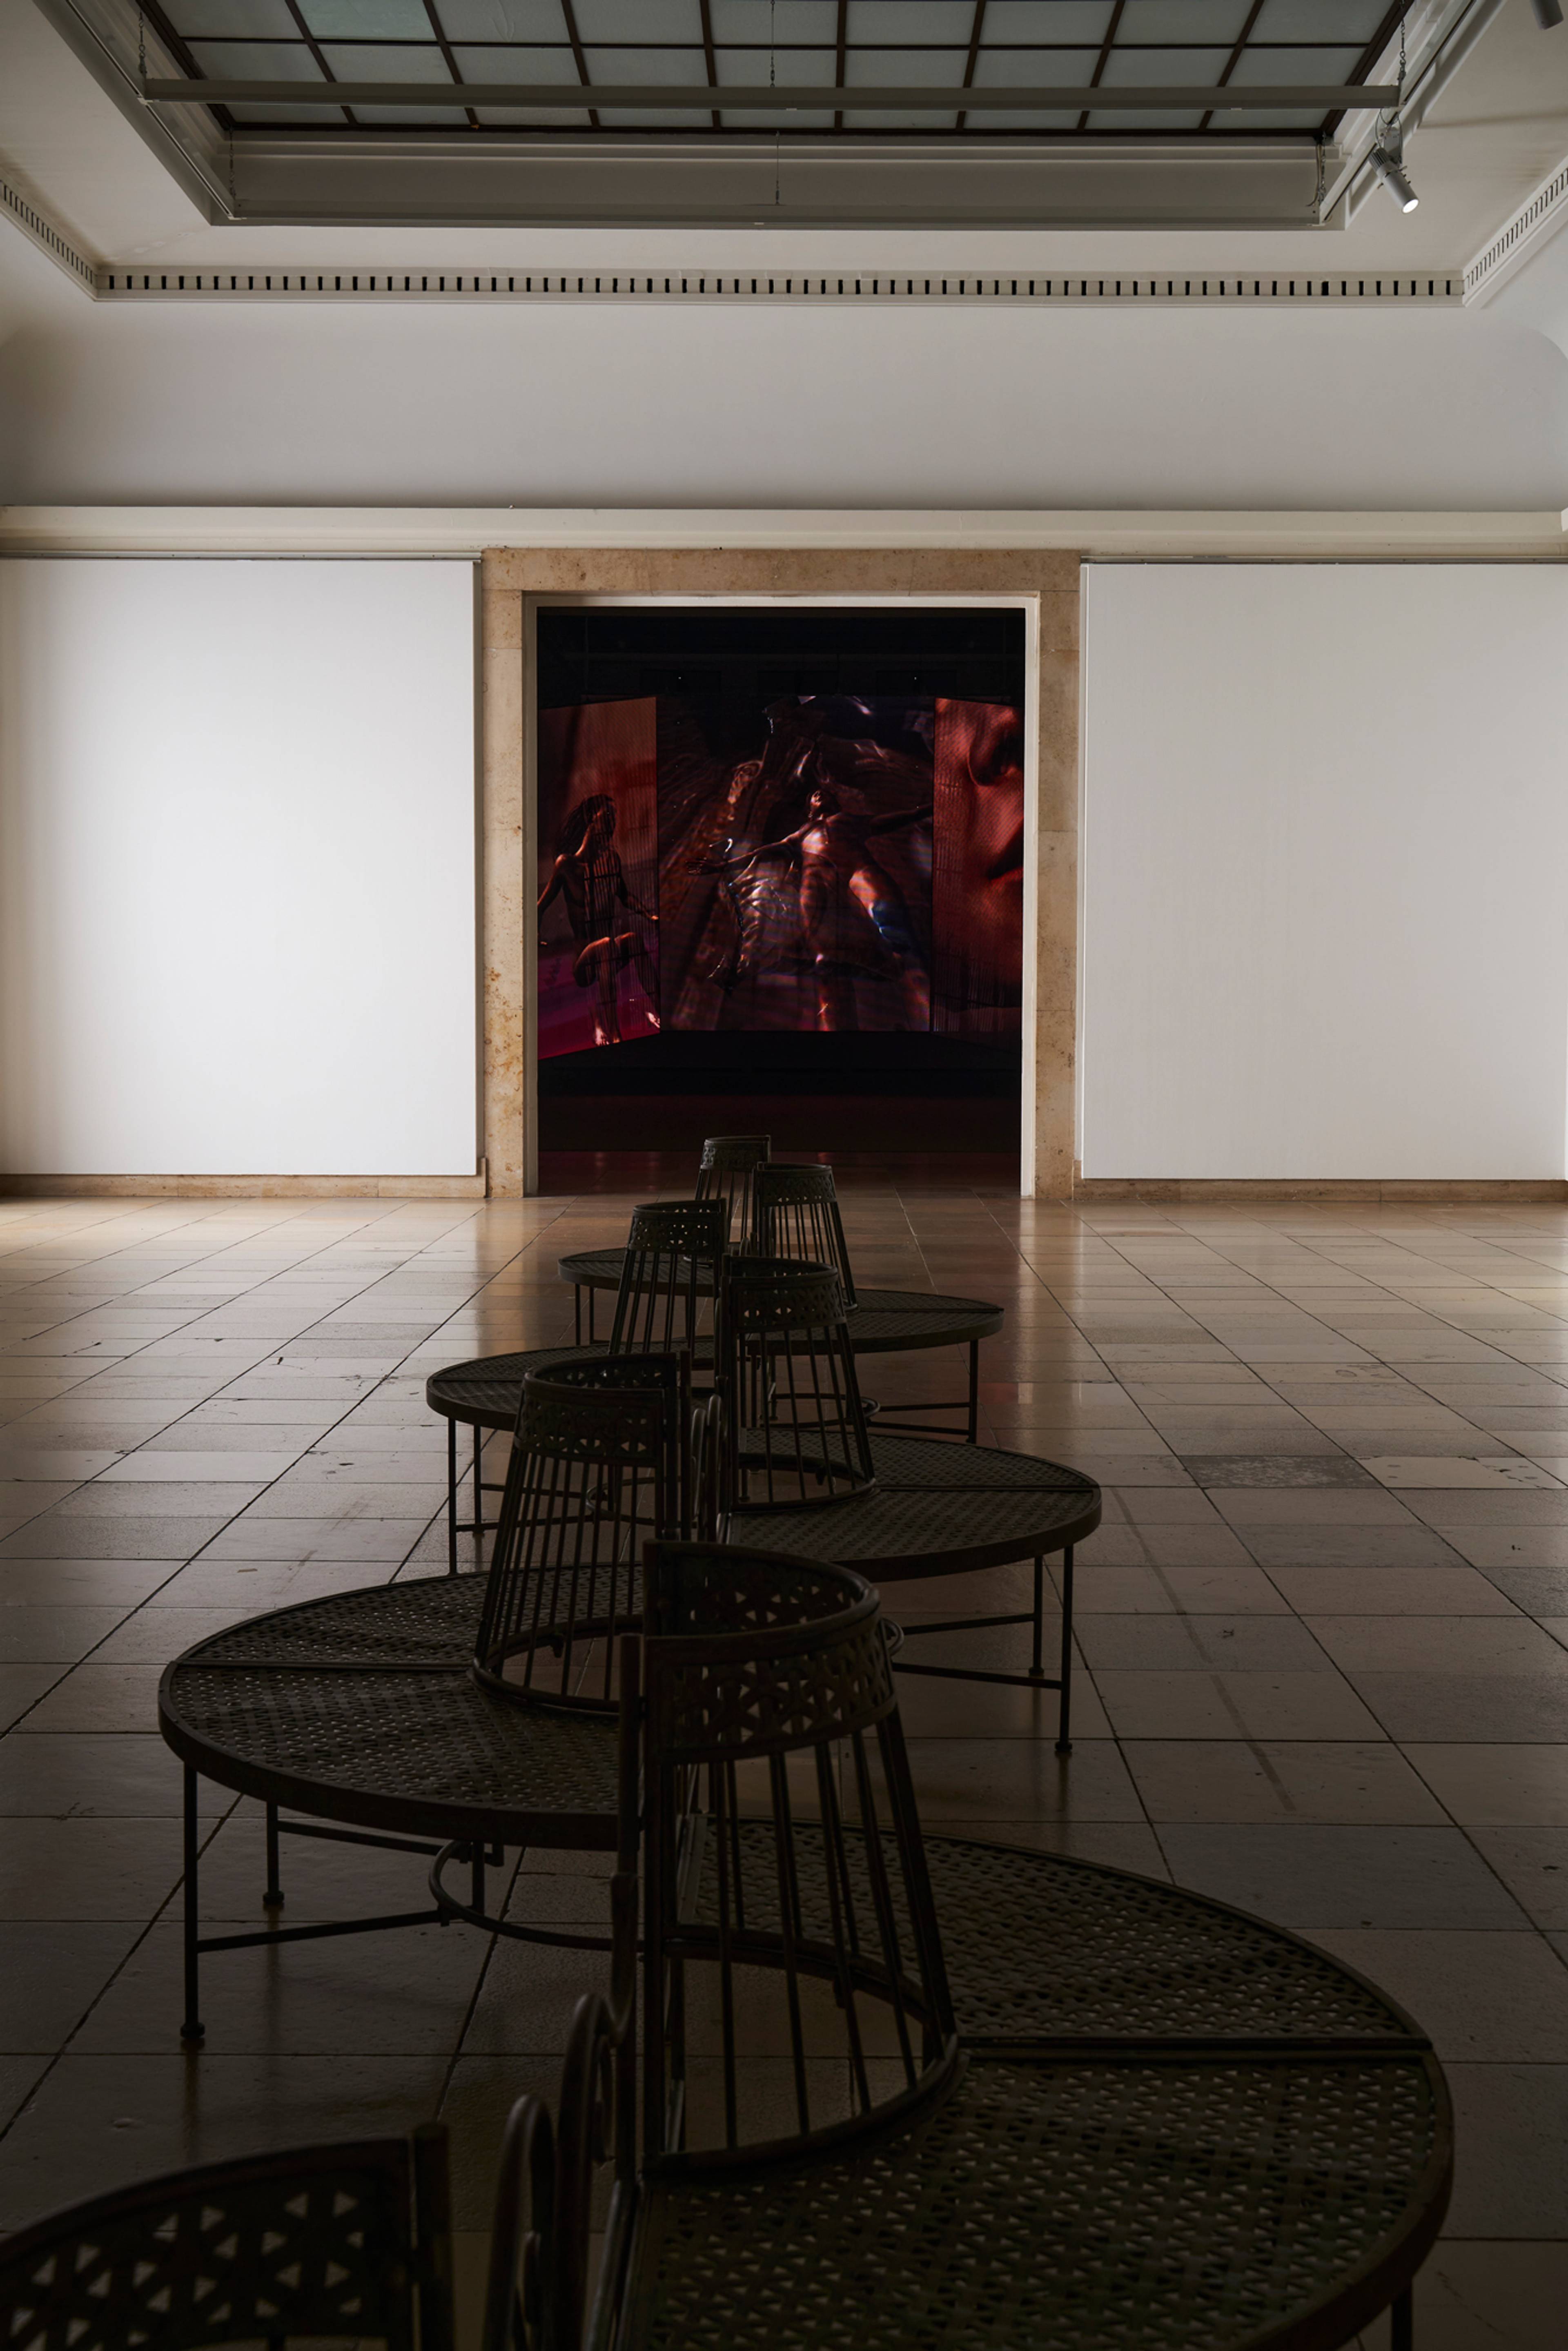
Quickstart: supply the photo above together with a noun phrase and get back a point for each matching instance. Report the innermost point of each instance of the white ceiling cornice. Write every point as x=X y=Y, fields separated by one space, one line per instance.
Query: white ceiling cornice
x=36 y=223
x=1103 y=535
x=1537 y=220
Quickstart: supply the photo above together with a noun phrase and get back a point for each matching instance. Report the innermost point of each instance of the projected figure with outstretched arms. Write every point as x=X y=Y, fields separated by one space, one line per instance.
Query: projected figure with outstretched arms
x=852 y=914
x=591 y=882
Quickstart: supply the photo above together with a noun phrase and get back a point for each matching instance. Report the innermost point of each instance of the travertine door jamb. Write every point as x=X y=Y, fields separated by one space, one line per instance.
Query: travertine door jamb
x=1050 y=583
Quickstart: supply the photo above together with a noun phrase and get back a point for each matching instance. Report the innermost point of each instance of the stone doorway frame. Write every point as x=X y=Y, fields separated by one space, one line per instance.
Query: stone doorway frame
x=1044 y=585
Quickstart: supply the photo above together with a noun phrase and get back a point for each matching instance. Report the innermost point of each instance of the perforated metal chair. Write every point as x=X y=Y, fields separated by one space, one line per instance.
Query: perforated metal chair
x=828 y=2161
x=601 y=1465
x=774 y=1774
x=540 y=2252
x=670 y=1277
x=796 y=1428
x=339 y=2242
x=727 y=1172
x=664 y=1304
x=795 y=1214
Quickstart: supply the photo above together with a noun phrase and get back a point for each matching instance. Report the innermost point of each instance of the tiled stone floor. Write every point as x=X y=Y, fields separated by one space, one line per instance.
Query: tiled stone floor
x=1323 y=1632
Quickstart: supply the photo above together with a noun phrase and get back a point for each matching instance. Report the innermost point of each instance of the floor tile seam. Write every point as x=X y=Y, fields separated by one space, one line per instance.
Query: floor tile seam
x=236 y=1516
x=101 y=1478
x=1121 y=1742
x=437 y=1517
x=391 y=1374
x=912 y=1235
x=110 y=1212
x=1401 y=1748
x=481 y=1977
x=175 y=1894
x=205 y=1214
x=88 y=1655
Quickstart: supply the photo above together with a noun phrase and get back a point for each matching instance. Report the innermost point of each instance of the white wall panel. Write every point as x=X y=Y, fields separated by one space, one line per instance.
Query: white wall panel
x=1326 y=871
x=237 y=868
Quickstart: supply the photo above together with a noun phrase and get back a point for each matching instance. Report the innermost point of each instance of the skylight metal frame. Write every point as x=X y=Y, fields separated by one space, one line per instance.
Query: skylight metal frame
x=1121 y=55
x=971 y=168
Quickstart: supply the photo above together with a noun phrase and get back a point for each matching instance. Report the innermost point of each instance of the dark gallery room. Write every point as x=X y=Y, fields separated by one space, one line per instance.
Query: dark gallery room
x=783 y=1174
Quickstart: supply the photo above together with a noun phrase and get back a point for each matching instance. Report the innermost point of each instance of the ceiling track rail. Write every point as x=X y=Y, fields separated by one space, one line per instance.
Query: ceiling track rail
x=1298 y=288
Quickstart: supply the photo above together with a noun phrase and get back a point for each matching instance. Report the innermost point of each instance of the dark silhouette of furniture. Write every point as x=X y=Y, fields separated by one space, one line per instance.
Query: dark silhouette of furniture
x=1151 y=2121
x=310 y=2243
x=668 y=1275
x=444 y=1718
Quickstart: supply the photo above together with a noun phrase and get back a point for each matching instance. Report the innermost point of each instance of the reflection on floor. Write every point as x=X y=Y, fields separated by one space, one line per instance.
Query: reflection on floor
x=1323 y=1631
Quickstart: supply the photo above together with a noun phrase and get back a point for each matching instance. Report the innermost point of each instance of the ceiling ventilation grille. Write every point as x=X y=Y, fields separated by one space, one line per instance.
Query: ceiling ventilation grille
x=1492 y=265
x=494 y=286
x=47 y=237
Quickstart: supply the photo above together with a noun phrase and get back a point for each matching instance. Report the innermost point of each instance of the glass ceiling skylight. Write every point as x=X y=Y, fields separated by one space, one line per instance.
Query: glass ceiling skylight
x=973 y=67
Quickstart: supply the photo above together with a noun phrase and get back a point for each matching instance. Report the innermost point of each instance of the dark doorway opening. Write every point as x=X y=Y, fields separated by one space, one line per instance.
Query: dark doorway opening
x=781 y=868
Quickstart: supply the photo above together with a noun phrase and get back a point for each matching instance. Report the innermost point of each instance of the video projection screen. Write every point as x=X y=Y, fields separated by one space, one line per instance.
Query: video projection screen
x=828 y=861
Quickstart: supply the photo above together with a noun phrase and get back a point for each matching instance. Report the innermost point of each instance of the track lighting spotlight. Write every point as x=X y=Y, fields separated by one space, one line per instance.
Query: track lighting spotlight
x=1391 y=173
x=1547 y=12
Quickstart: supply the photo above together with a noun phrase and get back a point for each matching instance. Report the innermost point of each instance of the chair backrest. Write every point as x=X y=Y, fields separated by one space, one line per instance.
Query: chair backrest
x=795 y=1214
x=542 y=2226
x=341 y=2242
x=780 y=1833
x=541 y=2258
x=601 y=1463
x=669 y=1277
x=796 y=1430
x=730 y=1163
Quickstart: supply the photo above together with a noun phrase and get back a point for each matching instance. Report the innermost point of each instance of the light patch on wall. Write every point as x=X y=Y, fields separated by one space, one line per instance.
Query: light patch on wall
x=1326 y=871
x=237 y=868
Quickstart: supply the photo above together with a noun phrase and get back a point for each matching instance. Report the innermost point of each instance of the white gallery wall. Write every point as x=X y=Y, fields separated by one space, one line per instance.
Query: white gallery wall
x=237 y=878
x=764 y=404
x=1325 y=871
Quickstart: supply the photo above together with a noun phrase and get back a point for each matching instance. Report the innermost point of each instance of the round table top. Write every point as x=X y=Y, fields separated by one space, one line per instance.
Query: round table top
x=361 y=1708
x=601 y=1269
x=486 y=1391
x=937 y=1508
x=1035 y=1941
x=1261 y=2139
x=897 y=1536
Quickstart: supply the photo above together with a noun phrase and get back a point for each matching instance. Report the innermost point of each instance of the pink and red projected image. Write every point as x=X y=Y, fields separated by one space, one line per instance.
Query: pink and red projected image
x=861 y=869
x=599 y=876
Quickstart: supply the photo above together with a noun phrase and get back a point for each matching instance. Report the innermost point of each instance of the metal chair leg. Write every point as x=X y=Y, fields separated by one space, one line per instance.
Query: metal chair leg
x=1065 y=1713
x=273 y=1898
x=191 y=2028
x=451 y=1496
x=974 y=1391
x=1037 y=1658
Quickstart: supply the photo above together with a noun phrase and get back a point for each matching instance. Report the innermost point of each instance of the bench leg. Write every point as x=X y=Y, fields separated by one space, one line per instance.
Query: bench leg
x=273 y=1898
x=1037 y=1655
x=450 y=1497
x=1065 y=1715
x=191 y=2028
